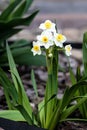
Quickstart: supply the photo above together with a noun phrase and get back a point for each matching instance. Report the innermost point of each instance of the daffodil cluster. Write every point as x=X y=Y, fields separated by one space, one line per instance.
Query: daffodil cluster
x=48 y=38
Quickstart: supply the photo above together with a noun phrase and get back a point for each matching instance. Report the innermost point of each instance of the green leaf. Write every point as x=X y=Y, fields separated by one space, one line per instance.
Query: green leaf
x=9 y=89
x=25 y=114
x=45 y=103
x=83 y=107
x=19 y=10
x=19 y=43
x=72 y=76
x=28 y=4
x=78 y=74
x=24 y=56
x=34 y=82
x=5 y=14
x=83 y=90
x=84 y=48
x=6 y=34
x=8 y=28
x=70 y=92
x=12 y=115
x=75 y=119
x=20 y=94
x=71 y=109
x=13 y=69
x=22 y=21
x=5 y=25
x=28 y=59
x=42 y=109
x=41 y=113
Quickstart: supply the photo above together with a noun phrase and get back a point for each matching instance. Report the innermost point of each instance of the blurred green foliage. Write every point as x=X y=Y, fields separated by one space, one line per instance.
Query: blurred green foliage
x=13 y=20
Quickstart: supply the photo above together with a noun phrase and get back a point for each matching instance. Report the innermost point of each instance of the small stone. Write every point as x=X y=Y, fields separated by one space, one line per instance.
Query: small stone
x=42 y=75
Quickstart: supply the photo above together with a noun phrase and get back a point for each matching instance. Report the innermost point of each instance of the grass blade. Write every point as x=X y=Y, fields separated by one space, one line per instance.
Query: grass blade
x=25 y=114
x=13 y=69
x=34 y=82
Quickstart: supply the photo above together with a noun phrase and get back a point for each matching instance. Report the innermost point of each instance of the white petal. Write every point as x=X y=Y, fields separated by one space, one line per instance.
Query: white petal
x=59 y=44
x=68 y=53
x=46 y=46
x=39 y=37
x=39 y=53
x=42 y=26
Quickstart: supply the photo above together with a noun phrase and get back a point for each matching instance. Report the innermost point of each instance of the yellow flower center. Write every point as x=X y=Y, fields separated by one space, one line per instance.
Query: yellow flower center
x=68 y=49
x=36 y=48
x=59 y=37
x=48 y=24
x=44 y=39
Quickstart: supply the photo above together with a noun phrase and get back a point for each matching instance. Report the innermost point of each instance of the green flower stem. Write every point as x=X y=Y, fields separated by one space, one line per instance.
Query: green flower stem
x=60 y=49
x=52 y=83
x=48 y=88
x=55 y=72
x=49 y=63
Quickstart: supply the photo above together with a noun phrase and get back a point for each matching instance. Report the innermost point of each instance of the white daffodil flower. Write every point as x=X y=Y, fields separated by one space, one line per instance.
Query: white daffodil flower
x=36 y=48
x=45 y=39
x=59 y=39
x=48 y=25
x=68 y=49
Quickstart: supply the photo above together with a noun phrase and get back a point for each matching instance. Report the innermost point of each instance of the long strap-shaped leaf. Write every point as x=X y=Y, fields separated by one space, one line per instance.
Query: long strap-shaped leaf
x=24 y=56
x=70 y=92
x=28 y=4
x=12 y=115
x=71 y=109
x=9 y=89
x=13 y=69
x=6 y=34
x=83 y=91
x=34 y=82
x=9 y=10
x=84 y=48
x=25 y=114
x=17 y=21
x=19 y=10
x=22 y=8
